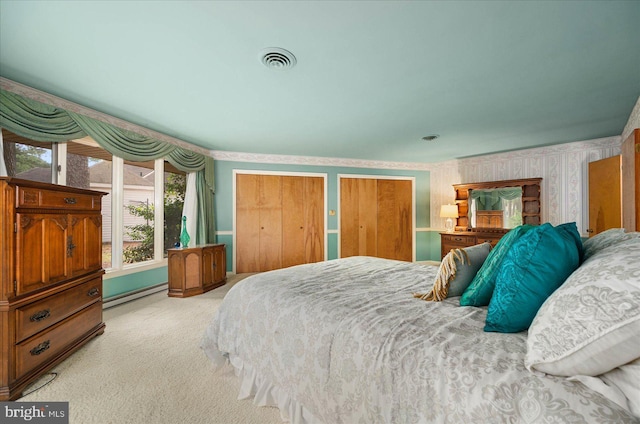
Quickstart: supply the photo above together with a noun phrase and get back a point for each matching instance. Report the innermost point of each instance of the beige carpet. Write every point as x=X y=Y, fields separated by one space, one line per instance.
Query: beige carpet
x=148 y=368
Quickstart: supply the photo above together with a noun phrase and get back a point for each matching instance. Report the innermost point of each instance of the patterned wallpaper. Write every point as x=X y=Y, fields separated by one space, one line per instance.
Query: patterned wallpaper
x=563 y=169
x=634 y=121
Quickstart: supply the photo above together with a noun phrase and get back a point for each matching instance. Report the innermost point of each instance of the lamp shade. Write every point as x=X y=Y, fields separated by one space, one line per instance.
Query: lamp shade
x=449 y=211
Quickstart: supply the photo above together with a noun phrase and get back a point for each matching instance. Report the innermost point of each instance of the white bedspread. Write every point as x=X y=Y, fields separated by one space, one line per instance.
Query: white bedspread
x=344 y=341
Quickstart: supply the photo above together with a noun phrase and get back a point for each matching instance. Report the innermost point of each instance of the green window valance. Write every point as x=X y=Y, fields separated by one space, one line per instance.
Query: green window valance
x=37 y=121
x=41 y=122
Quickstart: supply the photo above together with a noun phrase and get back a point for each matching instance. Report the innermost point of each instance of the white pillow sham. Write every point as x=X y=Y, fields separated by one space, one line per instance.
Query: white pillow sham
x=590 y=325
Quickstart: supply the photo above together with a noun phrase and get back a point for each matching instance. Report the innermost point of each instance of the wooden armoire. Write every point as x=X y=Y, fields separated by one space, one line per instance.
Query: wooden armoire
x=51 y=277
x=376 y=218
x=279 y=221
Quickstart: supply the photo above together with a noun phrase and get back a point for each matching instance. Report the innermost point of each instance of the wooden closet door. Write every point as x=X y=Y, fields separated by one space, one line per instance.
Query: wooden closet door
x=313 y=219
x=270 y=205
x=394 y=220
x=293 y=221
x=358 y=217
x=247 y=223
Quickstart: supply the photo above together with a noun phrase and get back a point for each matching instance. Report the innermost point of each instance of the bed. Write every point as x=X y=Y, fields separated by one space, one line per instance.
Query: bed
x=344 y=341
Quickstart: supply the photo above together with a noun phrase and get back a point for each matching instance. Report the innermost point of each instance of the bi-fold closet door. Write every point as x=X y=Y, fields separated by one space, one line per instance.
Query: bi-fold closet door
x=279 y=221
x=376 y=217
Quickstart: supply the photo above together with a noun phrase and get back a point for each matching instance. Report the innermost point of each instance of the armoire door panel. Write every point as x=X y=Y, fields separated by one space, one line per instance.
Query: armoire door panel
x=293 y=221
x=42 y=253
x=313 y=219
x=270 y=204
x=247 y=223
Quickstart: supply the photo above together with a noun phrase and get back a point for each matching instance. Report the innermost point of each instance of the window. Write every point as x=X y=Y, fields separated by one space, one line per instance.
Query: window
x=90 y=166
x=175 y=183
x=142 y=208
x=27 y=159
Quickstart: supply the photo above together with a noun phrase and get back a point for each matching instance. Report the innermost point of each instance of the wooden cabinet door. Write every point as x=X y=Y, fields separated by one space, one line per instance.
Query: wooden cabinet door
x=85 y=243
x=41 y=251
x=208 y=266
x=605 y=206
x=220 y=261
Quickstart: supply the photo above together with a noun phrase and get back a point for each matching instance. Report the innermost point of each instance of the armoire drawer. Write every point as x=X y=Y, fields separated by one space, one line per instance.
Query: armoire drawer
x=35 y=351
x=30 y=197
x=44 y=313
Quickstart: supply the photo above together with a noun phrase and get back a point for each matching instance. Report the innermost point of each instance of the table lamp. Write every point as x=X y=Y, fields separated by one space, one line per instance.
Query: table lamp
x=449 y=212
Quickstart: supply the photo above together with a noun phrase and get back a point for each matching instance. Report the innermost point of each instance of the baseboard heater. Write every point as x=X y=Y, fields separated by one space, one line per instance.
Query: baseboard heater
x=136 y=294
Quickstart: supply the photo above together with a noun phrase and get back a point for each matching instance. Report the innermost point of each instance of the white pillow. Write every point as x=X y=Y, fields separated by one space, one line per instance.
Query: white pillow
x=605 y=239
x=591 y=324
x=627 y=379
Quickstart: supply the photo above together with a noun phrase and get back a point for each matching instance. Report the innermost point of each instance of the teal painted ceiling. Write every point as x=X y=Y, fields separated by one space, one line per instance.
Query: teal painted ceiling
x=372 y=78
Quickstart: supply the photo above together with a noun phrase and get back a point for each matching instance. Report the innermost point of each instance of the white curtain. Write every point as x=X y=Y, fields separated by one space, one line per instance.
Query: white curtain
x=3 y=168
x=190 y=208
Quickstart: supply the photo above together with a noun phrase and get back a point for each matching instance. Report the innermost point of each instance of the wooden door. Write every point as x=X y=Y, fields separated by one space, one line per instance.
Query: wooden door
x=358 y=217
x=293 y=221
x=376 y=218
x=270 y=206
x=313 y=219
x=247 y=223
x=41 y=251
x=605 y=207
x=394 y=220
x=279 y=221
x=85 y=244
x=631 y=182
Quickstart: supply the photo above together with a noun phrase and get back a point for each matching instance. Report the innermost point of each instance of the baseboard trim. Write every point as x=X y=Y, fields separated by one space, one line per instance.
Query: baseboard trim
x=136 y=294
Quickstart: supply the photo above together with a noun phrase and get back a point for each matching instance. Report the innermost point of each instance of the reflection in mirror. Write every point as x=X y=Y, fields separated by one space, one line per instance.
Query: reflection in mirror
x=496 y=208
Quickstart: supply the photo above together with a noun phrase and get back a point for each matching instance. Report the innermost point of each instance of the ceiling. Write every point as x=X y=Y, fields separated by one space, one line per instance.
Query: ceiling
x=371 y=79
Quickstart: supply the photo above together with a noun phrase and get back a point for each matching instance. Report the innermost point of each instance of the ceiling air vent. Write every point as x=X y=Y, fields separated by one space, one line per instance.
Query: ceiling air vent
x=277 y=58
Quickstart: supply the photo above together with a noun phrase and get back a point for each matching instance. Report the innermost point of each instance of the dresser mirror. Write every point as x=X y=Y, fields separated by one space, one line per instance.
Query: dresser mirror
x=497 y=206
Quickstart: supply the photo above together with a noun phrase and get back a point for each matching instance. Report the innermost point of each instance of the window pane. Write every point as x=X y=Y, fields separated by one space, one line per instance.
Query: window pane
x=26 y=159
x=89 y=166
x=138 y=213
x=174 y=189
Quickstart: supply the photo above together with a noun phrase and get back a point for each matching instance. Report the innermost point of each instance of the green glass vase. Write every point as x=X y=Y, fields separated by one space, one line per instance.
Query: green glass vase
x=184 y=235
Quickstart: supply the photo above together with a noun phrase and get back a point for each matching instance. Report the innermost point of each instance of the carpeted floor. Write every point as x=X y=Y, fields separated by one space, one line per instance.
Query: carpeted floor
x=148 y=368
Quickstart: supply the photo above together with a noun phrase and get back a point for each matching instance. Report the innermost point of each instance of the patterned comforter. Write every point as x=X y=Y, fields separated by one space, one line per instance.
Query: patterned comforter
x=345 y=342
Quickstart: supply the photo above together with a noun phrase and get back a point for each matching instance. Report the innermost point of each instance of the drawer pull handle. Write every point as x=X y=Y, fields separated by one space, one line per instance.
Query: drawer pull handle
x=94 y=291
x=70 y=200
x=40 y=348
x=39 y=316
x=457 y=238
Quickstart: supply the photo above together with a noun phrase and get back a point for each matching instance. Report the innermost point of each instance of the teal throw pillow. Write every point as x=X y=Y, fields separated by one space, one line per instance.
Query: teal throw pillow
x=481 y=288
x=536 y=265
x=572 y=229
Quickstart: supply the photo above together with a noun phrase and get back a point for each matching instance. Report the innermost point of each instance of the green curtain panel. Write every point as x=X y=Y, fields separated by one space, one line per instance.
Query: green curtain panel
x=37 y=121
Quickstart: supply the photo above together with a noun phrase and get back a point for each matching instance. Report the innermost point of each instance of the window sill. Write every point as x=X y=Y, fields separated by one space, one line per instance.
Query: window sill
x=134 y=268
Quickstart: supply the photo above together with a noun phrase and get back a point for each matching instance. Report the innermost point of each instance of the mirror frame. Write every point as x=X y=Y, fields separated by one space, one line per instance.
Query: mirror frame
x=530 y=202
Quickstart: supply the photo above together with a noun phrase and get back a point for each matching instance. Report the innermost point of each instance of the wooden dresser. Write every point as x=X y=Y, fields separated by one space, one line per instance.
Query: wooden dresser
x=51 y=277
x=196 y=270
x=460 y=239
